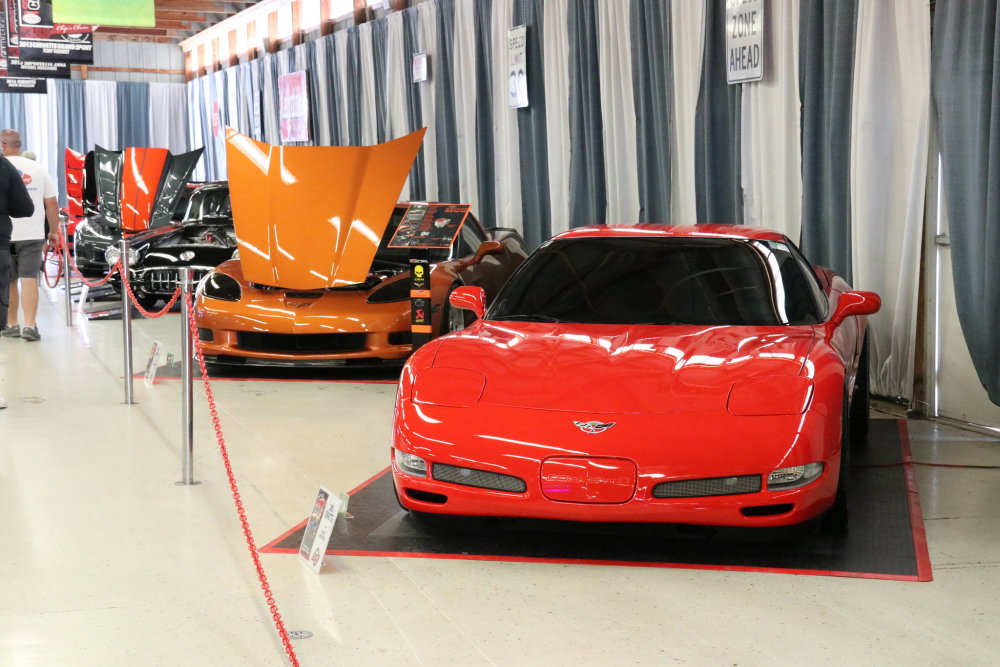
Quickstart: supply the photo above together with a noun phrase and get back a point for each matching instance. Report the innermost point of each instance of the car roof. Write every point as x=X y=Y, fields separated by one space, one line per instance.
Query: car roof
x=688 y=231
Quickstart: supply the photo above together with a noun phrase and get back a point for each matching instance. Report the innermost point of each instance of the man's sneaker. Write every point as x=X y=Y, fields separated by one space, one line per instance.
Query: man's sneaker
x=3 y=402
x=11 y=331
x=30 y=333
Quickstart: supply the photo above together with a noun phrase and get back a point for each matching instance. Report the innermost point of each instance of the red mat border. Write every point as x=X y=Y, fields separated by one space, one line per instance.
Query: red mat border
x=924 y=572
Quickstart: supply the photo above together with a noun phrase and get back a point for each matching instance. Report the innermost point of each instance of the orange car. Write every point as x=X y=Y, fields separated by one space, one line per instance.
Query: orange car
x=310 y=288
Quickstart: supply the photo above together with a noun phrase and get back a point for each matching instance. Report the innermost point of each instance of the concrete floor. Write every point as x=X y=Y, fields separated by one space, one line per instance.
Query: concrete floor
x=105 y=561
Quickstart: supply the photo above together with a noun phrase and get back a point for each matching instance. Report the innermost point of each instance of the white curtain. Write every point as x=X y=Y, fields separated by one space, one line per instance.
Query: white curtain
x=321 y=126
x=369 y=113
x=340 y=43
x=40 y=130
x=771 y=125
x=219 y=80
x=687 y=35
x=195 y=138
x=397 y=79
x=427 y=39
x=168 y=116
x=556 y=64
x=506 y=139
x=618 y=111
x=232 y=98
x=465 y=102
x=102 y=114
x=890 y=118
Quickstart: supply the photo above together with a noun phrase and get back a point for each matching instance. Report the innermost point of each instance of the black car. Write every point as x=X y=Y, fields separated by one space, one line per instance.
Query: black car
x=202 y=240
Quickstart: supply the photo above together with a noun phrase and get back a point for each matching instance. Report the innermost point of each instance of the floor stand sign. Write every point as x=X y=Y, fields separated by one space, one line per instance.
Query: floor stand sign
x=319 y=529
x=153 y=363
x=420 y=298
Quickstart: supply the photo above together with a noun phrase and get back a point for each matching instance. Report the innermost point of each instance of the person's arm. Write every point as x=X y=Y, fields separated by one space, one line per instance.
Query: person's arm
x=51 y=220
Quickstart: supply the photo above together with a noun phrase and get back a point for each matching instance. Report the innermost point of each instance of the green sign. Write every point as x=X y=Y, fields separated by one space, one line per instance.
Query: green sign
x=135 y=13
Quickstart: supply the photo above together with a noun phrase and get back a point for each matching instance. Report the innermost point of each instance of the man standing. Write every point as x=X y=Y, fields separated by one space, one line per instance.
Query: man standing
x=14 y=201
x=28 y=238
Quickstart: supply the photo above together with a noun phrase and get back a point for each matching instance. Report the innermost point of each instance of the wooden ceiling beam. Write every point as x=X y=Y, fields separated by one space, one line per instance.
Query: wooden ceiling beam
x=116 y=30
x=112 y=37
x=170 y=15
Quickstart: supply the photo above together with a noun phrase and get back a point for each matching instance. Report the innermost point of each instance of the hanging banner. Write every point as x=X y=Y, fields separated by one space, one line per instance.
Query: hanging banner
x=518 y=67
x=293 y=107
x=36 y=38
x=744 y=40
x=28 y=69
x=9 y=85
x=130 y=13
x=10 y=27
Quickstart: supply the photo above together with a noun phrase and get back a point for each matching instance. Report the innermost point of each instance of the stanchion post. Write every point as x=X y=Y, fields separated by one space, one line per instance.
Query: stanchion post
x=126 y=321
x=67 y=272
x=187 y=381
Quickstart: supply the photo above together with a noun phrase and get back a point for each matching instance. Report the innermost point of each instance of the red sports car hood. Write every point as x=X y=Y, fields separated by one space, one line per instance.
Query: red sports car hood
x=615 y=369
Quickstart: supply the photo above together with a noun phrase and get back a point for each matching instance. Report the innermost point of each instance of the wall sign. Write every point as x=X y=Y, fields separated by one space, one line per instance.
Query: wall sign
x=293 y=107
x=744 y=40
x=517 y=66
x=12 y=85
x=32 y=32
x=421 y=65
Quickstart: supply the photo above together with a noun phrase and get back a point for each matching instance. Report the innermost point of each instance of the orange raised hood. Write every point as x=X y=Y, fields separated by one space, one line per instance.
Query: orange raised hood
x=310 y=217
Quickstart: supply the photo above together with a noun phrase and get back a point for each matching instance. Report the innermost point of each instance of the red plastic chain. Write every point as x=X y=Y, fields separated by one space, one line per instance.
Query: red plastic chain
x=57 y=250
x=135 y=302
x=216 y=424
x=76 y=270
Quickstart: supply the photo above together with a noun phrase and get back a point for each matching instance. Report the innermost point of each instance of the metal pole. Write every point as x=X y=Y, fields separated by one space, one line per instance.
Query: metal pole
x=126 y=323
x=67 y=271
x=187 y=381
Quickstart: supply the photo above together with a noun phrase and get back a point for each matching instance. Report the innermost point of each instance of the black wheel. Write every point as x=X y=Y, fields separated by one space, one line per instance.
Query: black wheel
x=836 y=517
x=452 y=319
x=860 y=398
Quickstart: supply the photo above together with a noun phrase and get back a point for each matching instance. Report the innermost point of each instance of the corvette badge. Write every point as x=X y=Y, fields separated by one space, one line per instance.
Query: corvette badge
x=594 y=427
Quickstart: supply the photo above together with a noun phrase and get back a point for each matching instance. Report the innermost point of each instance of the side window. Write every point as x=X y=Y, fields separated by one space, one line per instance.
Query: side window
x=817 y=291
x=469 y=239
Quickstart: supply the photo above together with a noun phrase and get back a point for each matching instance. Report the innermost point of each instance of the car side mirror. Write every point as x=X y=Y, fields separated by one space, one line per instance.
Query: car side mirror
x=487 y=248
x=469 y=297
x=854 y=303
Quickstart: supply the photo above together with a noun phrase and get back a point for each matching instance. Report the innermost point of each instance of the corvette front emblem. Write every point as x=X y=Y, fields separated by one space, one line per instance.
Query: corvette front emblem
x=594 y=427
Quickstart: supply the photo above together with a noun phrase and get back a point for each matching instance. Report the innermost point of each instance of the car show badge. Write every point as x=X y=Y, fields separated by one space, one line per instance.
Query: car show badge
x=594 y=427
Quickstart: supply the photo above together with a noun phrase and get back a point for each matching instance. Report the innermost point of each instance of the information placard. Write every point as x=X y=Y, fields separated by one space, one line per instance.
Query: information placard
x=319 y=529
x=293 y=107
x=426 y=225
x=744 y=40
x=153 y=363
x=518 y=67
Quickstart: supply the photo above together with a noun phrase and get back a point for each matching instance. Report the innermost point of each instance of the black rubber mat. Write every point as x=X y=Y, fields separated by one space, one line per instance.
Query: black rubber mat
x=884 y=539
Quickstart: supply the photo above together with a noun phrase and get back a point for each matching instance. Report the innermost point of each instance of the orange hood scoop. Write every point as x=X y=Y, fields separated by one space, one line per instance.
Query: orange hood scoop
x=312 y=217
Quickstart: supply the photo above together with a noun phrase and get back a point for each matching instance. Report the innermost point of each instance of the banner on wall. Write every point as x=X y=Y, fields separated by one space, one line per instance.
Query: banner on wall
x=33 y=33
x=27 y=69
x=11 y=85
x=744 y=40
x=293 y=107
x=134 y=13
x=518 y=67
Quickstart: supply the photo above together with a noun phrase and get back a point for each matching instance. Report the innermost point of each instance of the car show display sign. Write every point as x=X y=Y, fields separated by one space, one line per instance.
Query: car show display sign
x=33 y=32
x=153 y=363
x=517 y=65
x=420 y=67
x=319 y=529
x=293 y=107
x=429 y=225
x=744 y=40
x=134 y=13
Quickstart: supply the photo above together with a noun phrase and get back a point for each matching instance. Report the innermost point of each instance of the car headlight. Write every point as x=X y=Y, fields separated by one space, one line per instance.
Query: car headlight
x=770 y=395
x=793 y=477
x=114 y=253
x=222 y=287
x=411 y=464
x=397 y=290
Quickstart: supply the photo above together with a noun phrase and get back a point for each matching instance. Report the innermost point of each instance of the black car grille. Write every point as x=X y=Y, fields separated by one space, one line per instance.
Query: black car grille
x=164 y=281
x=300 y=343
x=400 y=338
x=481 y=479
x=712 y=486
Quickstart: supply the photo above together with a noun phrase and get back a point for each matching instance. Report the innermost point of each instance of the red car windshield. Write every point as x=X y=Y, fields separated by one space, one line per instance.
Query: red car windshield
x=660 y=280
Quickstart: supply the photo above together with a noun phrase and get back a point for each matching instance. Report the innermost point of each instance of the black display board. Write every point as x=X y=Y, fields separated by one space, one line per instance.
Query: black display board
x=33 y=35
x=429 y=226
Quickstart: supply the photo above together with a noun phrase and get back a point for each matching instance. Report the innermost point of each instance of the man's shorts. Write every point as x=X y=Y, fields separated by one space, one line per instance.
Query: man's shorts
x=27 y=256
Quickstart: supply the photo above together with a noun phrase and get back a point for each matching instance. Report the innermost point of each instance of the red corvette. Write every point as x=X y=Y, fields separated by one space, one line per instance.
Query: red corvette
x=700 y=375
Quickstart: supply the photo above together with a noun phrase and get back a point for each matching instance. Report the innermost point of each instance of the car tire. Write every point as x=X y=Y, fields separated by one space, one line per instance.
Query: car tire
x=860 y=399
x=452 y=319
x=836 y=519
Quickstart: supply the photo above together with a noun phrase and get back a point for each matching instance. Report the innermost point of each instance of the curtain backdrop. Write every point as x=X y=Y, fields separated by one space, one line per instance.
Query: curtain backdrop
x=687 y=39
x=38 y=124
x=966 y=79
x=506 y=139
x=464 y=93
x=588 y=199
x=168 y=116
x=102 y=114
x=531 y=127
x=71 y=120
x=888 y=177
x=133 y=114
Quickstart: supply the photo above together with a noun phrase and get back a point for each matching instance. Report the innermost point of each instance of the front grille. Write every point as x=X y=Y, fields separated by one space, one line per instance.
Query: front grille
x=206 y=335
x=164 y=281
x=400 y=337
x=477 y=478
x=300 y=343
x=712 y=486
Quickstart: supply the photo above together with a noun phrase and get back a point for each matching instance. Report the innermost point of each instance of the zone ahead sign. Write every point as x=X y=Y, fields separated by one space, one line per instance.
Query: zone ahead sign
x=744 y=40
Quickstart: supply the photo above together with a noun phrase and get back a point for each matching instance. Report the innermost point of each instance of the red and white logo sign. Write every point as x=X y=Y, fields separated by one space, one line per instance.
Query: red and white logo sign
x=26 y=178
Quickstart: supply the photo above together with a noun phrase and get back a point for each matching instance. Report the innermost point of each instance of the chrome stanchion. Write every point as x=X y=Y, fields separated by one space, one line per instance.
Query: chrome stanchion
x=187 y=381
x=126 y=322
x=67 y=271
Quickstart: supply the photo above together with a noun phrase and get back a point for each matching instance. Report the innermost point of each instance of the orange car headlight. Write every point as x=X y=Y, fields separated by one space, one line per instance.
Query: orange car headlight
x=220 y=286
x=452 y=387
x=770 y=395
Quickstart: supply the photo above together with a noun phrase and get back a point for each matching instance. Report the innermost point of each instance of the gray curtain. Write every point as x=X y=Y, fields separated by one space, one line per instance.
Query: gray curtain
x=588 y=199
x=72 y=122
x=12 y=114
x=826 y=74
x=380 y=36
x=965 y=78
x=718 y=189
x=133 y=114
x=444 y=104
x=535 y=205
x=418 y=187
x=335 y=121
x=651 y=76
x=484 y=114
x=353 y=87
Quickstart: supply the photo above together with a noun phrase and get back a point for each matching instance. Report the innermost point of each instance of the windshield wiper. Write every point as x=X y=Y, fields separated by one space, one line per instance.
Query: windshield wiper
x=527 y=318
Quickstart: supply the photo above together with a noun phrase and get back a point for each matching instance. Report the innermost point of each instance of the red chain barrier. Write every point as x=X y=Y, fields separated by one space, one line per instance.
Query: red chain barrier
x=57 y=250
x=127 y=285
x=216 y=424
x=76 y=270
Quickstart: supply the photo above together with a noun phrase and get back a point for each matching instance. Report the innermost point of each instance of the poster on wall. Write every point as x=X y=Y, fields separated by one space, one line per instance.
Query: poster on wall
x=744 y=40
x=293 y=107
x=518 y=67
x=33 y=32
